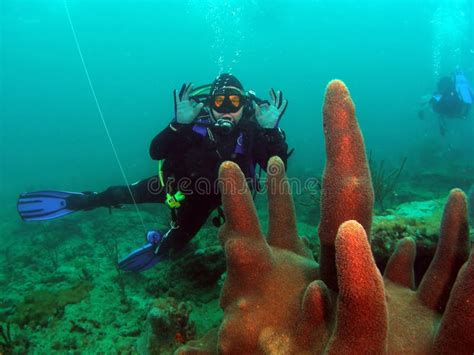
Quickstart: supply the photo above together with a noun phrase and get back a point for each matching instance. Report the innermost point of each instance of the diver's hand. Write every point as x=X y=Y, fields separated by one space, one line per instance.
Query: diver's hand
x=268 y=116
x=185 y=110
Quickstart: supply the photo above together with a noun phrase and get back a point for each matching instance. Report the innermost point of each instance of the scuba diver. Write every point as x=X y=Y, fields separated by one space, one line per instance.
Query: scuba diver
x=212 y=124
x=452 y=99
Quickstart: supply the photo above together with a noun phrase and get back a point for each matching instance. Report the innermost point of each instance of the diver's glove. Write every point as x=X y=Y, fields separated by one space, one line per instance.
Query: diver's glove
x=185 y=110
x=269 y=115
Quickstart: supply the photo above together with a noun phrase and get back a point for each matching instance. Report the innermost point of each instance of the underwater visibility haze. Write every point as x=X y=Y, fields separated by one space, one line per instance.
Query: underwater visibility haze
x=94 y=93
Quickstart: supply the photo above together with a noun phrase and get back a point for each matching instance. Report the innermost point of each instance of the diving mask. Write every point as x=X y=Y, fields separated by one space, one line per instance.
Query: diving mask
x=227 y=100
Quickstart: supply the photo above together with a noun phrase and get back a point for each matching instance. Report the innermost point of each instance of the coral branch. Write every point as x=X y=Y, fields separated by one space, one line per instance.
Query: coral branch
x=455 y=331
x=240 y=212
x=362 y=320
x=451 y=253
x=282 y=231
x=346 y=187
x=399 y=268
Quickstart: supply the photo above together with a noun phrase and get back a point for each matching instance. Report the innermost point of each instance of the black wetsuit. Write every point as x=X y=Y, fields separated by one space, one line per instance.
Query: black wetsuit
x=446 y=102
x=448 y=105
x=192 y=155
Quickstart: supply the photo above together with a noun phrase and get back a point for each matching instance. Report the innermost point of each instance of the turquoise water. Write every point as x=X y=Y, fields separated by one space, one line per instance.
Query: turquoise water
x=389 y=53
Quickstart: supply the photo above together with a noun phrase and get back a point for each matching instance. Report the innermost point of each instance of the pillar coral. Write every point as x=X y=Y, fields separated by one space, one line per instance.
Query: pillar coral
x=276 y=301
x=346 y=189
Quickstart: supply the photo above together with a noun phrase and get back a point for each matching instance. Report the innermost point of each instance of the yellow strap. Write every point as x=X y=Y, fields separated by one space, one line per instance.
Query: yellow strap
x=179 y=196
x=172 y=201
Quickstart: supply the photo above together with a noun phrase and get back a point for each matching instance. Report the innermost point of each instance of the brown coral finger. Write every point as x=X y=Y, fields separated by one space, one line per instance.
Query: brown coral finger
x=362 y=319
x=282 y=232
x=455 y=331
x=346 y=187
x=400 y=267
x=316 y=317
x=317 y=303
x=451 y=253
x=239 y=209
x=247 y=262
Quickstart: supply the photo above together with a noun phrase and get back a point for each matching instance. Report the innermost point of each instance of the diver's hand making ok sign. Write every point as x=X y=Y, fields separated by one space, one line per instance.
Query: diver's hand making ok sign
x=185 y=110
x=269 y=115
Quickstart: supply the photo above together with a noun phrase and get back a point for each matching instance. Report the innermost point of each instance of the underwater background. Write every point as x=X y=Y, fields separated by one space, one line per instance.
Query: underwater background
x=59 y=278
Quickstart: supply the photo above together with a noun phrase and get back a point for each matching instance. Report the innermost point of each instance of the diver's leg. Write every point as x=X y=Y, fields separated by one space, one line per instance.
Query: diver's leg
x=442 y=125
x=187 y=222
x=144 y=191
x=51 y=204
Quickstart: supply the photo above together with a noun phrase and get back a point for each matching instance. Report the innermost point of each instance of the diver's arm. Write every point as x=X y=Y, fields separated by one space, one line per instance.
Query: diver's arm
x=171 y=142
x=175 y=139
x=270 y=142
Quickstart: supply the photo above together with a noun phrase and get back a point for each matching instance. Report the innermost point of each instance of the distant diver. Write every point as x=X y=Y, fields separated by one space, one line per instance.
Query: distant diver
x=212 y=124
x=452 y=99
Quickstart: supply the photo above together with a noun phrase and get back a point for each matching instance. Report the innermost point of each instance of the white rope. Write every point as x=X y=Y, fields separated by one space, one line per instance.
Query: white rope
x=99 y=109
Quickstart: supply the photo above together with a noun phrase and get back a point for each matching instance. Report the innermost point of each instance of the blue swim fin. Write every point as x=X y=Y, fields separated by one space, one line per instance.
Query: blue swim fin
x=44 y=205
x=463 y=88
x=141 y=259
x=145 y=257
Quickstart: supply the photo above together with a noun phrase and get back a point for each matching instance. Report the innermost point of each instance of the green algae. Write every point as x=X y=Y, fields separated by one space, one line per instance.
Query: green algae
x=40 y=307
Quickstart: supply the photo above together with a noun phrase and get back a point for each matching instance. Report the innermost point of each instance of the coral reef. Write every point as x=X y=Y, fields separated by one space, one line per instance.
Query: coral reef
x=276 y=300
x=168 y=324
x=12 y=342
x=6 y=340
x=42 y=306
x=417 y=220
